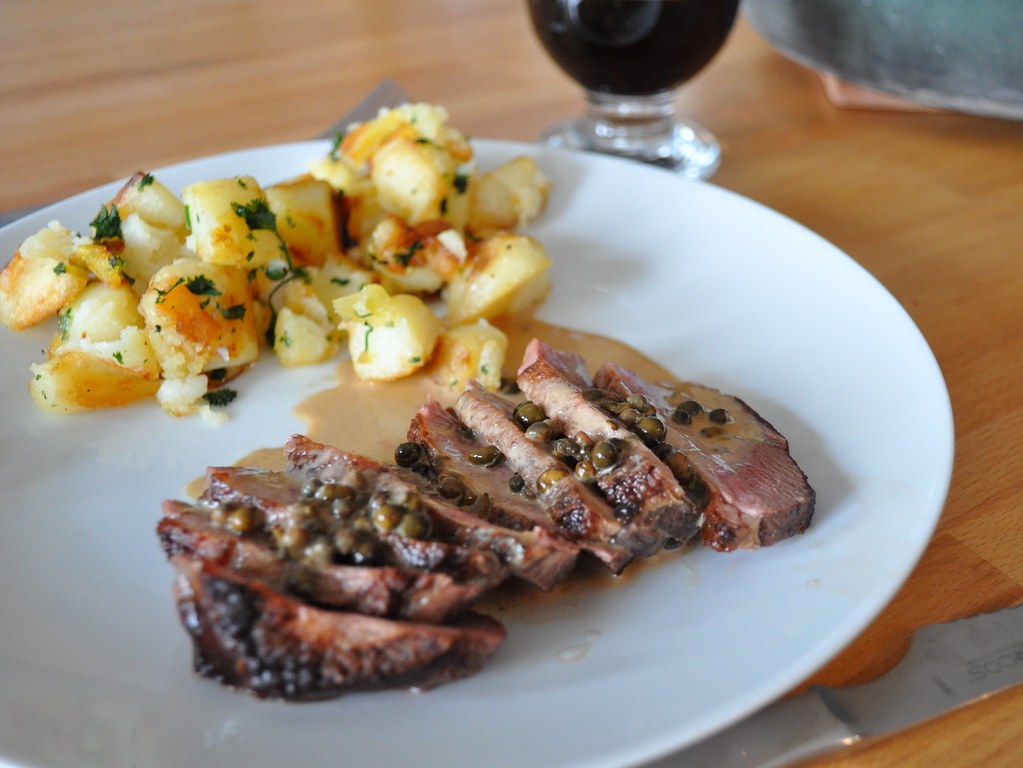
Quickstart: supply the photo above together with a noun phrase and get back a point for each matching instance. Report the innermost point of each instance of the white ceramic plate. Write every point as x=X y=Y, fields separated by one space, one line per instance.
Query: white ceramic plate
x=95 y=669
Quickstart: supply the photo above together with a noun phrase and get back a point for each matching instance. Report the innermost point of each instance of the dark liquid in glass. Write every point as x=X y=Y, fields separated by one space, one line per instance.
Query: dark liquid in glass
x=632 y=47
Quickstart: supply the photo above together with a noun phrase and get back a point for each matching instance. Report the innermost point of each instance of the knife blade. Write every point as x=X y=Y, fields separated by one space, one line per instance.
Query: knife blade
x=947 y=666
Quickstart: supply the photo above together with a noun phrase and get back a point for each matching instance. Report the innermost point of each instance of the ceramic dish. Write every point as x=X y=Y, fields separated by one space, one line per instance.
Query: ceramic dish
x=95 y=669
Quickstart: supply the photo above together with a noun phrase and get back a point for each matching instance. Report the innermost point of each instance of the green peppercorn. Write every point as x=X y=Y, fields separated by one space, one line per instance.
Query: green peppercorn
x=450 y=487
x=487 y=456
x=539 y=431
x=629 y=416
x=638 y=401
x=241 y=520
x=691 y=407
x=549 y=479
x=651 y=428
x=386 y=517
x=681 y=416
x=481 y=506
x=604 y=455
x=527 y=413
x=408 y=454
x=293 y=538
x=679 y=465
x=586 y=472
x=414 y=525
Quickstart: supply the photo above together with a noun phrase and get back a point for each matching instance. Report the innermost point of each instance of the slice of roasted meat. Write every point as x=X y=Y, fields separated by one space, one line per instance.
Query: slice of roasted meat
x=734 y=463
x=387 y=591
x=641 y=488
x=341 y=573
x=319 y=522
x=536 y=555
x=460 y=463
x=580 y=513
x=249 y=636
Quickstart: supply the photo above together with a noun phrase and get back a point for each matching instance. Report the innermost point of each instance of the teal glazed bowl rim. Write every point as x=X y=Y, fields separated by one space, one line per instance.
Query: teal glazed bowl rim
x=959 y=55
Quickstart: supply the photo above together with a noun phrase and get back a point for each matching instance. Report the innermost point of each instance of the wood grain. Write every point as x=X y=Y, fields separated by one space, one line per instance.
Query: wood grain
x=931 y=203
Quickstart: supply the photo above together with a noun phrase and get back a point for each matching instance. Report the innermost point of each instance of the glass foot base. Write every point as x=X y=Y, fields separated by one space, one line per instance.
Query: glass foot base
x=690 y=150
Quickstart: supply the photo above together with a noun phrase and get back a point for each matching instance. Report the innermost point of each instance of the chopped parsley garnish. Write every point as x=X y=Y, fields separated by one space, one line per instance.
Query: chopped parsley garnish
x=257 y=214
x=342 y=281
x=119 y=357
x=236 y=312
x=220 y=397
x=107 y=224
x=60 y=269
x=276 y=272
x=202 y=286
x=161 y=295
x=335 y=144
x=461 y=183
x=145 y=181
x=64 y=323
x=406 y=257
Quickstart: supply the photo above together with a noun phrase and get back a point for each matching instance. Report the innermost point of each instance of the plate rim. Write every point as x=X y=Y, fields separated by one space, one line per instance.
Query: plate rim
x=853 y=626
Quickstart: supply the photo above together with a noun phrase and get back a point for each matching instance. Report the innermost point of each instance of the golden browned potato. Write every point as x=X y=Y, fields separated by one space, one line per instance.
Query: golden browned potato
x=507 y=197
x=431 y=123
x=362 y=141
x=507 y=273
x=146 y=197
x=303 y=332
x=152 y=228
x=106 y=265
x=232 y=223
x=148 y=248
x=40 y=279
x=395 y=211
x=388 y=336
x=339 y=276
x=307 y=218
x=413 y=179
x=199 y=317
x=77 y=381
x=99 y=313
x=469 y=351
x=334 y=169
x=101 y=356
x=415 y=259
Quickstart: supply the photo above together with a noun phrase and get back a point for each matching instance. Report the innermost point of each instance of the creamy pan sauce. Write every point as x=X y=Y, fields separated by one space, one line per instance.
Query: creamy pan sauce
x=373 y=418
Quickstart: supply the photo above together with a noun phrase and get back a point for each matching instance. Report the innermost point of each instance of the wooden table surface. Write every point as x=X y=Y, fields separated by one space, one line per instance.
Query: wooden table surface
x=931 y=204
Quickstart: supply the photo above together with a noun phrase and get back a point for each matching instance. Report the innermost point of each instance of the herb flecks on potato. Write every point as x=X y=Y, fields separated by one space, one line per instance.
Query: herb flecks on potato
x=393 y=244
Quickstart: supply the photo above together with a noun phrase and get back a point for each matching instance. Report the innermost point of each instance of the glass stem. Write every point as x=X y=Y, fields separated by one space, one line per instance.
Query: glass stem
x=632 y=125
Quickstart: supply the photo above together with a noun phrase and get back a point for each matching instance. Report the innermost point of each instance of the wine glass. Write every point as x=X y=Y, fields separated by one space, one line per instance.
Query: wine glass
x=630 y=56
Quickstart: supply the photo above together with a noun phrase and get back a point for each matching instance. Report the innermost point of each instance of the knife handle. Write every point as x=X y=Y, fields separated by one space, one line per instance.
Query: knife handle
x=786 y=731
